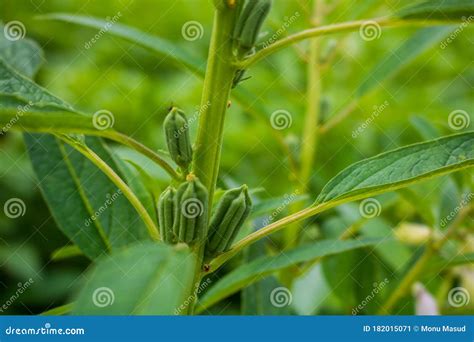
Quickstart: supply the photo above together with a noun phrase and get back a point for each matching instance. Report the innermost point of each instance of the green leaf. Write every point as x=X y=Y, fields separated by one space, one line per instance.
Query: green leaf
x=249 y=273
x=146 y=279
x=438 y=10
x=86 y=205
x=419 y=43
x=156 y=44
x=401 y=167
x=23 y=55
x=20 y=87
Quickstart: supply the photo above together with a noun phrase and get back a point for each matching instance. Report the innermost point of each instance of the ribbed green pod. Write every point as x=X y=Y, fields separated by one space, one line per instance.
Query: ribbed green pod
x=166 y=214
x=230 y=214
x=250 y=22
x=191 y=211
x=177 y=138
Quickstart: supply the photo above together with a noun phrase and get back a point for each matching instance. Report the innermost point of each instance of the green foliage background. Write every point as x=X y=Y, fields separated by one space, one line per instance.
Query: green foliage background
x=139 y=87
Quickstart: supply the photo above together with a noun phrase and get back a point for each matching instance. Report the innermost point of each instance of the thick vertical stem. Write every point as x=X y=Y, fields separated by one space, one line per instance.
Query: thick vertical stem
x=215 y=96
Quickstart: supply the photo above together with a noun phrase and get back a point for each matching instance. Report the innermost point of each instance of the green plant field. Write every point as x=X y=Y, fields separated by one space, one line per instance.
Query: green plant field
x=236 y=157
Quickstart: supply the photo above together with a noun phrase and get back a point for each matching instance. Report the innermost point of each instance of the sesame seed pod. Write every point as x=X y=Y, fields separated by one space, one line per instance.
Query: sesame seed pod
x=191 y=203
x=252 y=25
x=166 y=214
x=177 y=138
x=230 y=215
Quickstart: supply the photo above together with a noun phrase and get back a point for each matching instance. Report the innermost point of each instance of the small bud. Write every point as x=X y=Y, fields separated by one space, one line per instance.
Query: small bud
x=413 y=234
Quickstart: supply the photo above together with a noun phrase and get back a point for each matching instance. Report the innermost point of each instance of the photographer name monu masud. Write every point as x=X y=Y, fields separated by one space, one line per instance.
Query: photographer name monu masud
x=444 y=328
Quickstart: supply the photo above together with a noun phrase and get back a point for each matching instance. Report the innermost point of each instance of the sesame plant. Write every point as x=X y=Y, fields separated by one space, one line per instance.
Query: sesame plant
x=185 y=245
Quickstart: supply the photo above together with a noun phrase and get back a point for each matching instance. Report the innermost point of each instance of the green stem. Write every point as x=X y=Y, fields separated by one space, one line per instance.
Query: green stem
x=310 y=131
x=215 y=96
x=110 y=173
x=325 y=30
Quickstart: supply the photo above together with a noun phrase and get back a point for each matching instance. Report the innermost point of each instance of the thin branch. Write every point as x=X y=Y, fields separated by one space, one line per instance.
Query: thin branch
x=326 y=30
x=139 y=147
x=110 y=173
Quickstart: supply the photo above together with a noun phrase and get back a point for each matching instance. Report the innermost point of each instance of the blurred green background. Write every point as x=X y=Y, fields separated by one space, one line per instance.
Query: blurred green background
x=138 y=87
